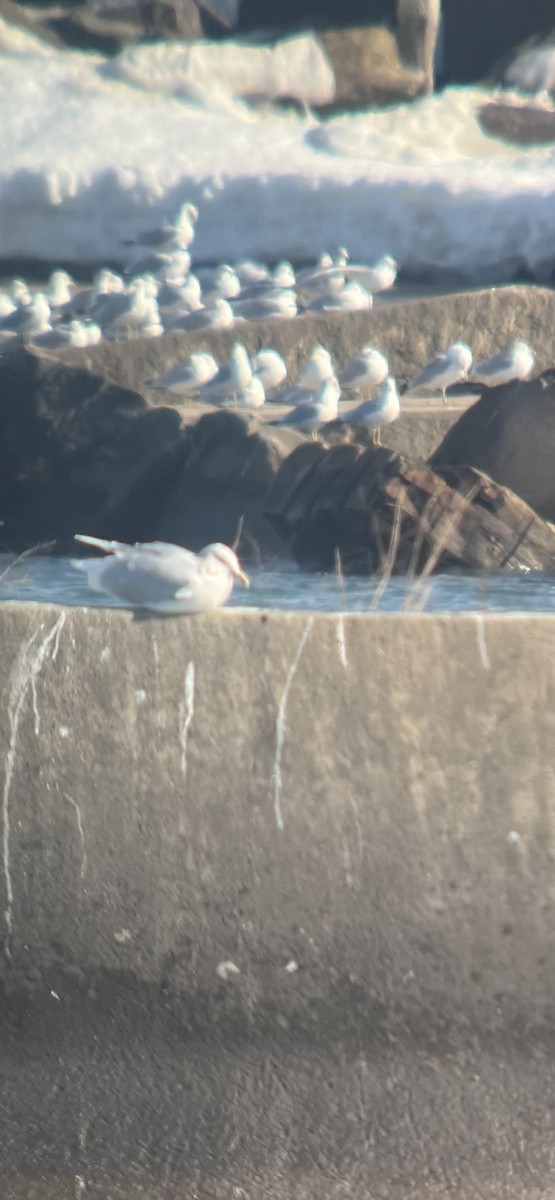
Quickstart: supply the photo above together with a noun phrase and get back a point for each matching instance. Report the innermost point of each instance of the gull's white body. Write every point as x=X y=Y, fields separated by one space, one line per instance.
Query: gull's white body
x=188 y=376
x=163 y=577
x=231 y=379
x=367 y=369
x=276 y=306
x=269 y=367
x=372 y=414
x=322 y=408
x=29 y=320
x=515 y=363
x=218 y=315
x=351 y=296
x=449 y=367
x=318 y=368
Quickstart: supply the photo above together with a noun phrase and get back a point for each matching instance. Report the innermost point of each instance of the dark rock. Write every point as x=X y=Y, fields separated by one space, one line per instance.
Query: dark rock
x=510 y=434
x=109 y=29
x=376 y=512
x=230 y=466
x=469 y=54
x=367 y=67
x=523 y=124
x=78 y=454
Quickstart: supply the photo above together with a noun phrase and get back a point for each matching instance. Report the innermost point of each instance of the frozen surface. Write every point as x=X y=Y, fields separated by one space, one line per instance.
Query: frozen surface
x=88 y=145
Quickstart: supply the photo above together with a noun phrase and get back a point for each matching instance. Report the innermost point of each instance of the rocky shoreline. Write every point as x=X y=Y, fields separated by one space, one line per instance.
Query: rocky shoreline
x=86 y=444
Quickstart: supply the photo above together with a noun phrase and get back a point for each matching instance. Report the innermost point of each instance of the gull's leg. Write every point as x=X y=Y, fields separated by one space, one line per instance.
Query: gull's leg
x=444 y=396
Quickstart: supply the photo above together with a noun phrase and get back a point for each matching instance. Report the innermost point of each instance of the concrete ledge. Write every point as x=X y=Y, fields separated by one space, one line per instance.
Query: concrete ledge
x=277 y=905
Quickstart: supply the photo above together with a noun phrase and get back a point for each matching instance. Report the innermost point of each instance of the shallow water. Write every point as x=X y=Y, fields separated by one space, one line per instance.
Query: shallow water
x=283 y=586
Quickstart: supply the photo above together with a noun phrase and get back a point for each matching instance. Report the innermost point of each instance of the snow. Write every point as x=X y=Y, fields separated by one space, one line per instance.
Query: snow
x=93 y=150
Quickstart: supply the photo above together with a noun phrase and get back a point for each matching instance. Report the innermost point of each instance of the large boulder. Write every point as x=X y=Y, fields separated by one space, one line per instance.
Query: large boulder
x=228 y=470
x=372 y=511
x=78 y=454
x=510 y=434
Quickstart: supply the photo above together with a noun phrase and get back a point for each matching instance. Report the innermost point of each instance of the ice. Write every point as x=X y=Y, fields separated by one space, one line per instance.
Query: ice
x=89 y=158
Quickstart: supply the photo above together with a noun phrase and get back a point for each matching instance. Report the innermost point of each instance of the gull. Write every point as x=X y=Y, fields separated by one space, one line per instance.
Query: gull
x=218 y=315
x=451 y=366
x=517 y=362
x=171 y=235
x=252 y=395
x=378 y=277
x=372 y=414
x=161 y=576
x=281 y=279
x=135 y=311
x=224 y=282
x=29 y=320
x=351 y=297
x=250 y=271
x=367 y=369
x=314 y=373
x=318 y=368
x=188 y=376
x=76 y=333
x=60 y=290
x=17 y=295
x=174 y=267
x=310 y=277
x=281 y=306
x=177 y=300
x=322 y=408
x=269 y=367
x=231 y=379
x=104 y=283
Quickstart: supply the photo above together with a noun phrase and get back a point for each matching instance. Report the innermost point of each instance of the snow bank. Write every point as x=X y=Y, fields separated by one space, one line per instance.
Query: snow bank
x=87 y=160
x=295 y=67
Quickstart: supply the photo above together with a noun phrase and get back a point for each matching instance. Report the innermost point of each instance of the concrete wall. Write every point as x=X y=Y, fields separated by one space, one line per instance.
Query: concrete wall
x=278 y=906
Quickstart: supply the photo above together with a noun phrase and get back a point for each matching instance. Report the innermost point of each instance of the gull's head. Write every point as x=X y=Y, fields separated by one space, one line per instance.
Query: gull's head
x=284 y=275
x=227 y=557
x=341 y=257
x=388 y=261
x=461 y=354
x=187 y=213
x=19 y=292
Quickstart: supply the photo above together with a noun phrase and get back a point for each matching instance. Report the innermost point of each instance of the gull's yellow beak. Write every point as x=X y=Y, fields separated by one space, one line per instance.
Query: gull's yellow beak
x=244 y=578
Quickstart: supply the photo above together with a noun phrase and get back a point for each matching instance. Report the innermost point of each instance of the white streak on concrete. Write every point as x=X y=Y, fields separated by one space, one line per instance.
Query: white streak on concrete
x=186 y=713
x=482 y=645
x=79 y=818
x=281 y=725
x=51 y=639
x=27 y=667
x=341 y=643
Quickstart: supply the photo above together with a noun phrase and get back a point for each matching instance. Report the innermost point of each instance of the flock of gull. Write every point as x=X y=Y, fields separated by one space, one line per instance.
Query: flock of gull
x=159 y=291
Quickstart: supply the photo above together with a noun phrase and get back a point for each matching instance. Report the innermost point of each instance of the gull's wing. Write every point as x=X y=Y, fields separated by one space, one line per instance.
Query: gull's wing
x=352 y=370
x=430 y=372
x=490 y=366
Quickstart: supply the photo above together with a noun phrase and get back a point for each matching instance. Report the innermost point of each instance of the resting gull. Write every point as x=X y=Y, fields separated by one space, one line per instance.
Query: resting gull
x=188 y=376
x=161 y=576
x=372 y=414
x=517 y=362
x=322 y=408
x=367 y=369
x=451 y=366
